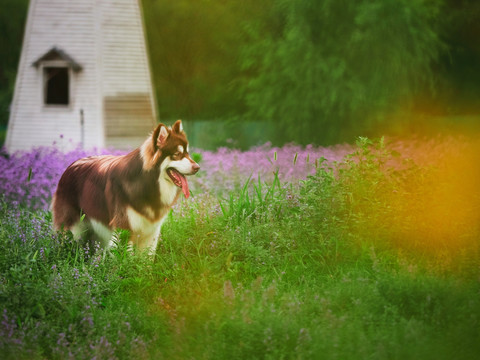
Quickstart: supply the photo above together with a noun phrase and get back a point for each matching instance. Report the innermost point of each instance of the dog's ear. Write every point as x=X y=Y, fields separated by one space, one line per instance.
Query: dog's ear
x=160 y=136
x=178 y=127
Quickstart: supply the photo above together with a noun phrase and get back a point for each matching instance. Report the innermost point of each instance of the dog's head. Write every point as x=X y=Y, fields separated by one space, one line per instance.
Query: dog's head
x=167 y=149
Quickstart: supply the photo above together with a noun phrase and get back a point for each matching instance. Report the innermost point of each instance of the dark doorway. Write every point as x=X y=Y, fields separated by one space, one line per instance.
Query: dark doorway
x=56 y=82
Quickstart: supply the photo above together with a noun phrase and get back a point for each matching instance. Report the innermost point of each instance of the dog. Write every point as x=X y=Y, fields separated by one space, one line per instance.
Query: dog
x=135 y=192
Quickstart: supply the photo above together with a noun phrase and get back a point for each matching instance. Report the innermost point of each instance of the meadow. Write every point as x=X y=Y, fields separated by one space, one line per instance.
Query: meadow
x=366 y=251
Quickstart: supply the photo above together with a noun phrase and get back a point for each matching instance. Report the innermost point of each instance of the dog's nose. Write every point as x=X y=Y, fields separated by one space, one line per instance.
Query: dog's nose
x=195 y=168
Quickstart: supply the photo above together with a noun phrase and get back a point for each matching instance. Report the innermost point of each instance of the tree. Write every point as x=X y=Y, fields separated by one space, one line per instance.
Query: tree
x=12 y=23
x=194 y=48
x=330 y=68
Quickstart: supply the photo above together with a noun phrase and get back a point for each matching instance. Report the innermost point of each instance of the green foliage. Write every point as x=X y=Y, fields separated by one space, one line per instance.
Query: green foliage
x=330 y=63
x=327 y=268
x=378 y=197
x=12 y=22
x=197 y=157
x=55 y=290
x=460 y=75
x=194 y=46
x=265 y=202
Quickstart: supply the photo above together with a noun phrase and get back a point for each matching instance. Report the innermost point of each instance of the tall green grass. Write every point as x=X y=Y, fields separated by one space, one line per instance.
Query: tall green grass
x=339 y=266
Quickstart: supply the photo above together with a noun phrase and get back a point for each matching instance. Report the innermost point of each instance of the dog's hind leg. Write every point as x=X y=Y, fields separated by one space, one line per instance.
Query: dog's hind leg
x=65 y=216
x=103 y=234
x=79 y=230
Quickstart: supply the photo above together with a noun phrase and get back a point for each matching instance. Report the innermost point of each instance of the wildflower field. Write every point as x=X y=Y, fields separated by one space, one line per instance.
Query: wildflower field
x=366 y=251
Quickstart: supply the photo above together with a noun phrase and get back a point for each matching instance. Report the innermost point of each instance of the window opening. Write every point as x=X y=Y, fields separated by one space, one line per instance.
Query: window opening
x=57 y=87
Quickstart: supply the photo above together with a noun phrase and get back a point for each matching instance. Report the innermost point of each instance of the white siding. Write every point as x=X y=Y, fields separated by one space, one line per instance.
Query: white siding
x=106 y=38
x=69 y=26
x=128 y=101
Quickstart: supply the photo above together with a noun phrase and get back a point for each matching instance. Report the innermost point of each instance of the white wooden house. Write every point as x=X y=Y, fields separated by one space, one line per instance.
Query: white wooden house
x=83 y=77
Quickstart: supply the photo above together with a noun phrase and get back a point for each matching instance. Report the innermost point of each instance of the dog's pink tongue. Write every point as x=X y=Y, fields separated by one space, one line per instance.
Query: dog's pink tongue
x=185 y=190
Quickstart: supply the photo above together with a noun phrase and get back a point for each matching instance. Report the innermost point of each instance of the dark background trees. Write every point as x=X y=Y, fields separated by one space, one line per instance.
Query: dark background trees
x=318 y=71
x=336 y=64
x=13 y=14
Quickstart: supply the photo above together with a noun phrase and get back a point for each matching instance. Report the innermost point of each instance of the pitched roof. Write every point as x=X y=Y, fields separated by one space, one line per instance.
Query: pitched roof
x=58 y=54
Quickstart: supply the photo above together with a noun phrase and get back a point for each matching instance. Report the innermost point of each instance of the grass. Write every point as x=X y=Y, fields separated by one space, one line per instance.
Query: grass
x=372 y=257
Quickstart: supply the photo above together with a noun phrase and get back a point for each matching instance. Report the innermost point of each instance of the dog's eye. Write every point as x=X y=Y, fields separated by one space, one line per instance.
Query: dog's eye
x=177 y=155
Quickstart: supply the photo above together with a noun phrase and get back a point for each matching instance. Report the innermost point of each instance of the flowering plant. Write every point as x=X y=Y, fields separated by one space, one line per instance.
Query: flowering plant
x=30 y=177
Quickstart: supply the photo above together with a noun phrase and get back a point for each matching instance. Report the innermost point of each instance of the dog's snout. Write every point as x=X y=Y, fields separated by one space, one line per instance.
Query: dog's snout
x=195 y=168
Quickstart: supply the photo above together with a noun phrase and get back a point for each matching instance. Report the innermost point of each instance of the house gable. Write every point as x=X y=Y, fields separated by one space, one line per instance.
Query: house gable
x=83 y=77
x=56 y=54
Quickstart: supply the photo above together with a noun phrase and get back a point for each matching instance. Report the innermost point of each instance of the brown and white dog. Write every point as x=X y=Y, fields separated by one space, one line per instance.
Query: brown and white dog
x=133 y=192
